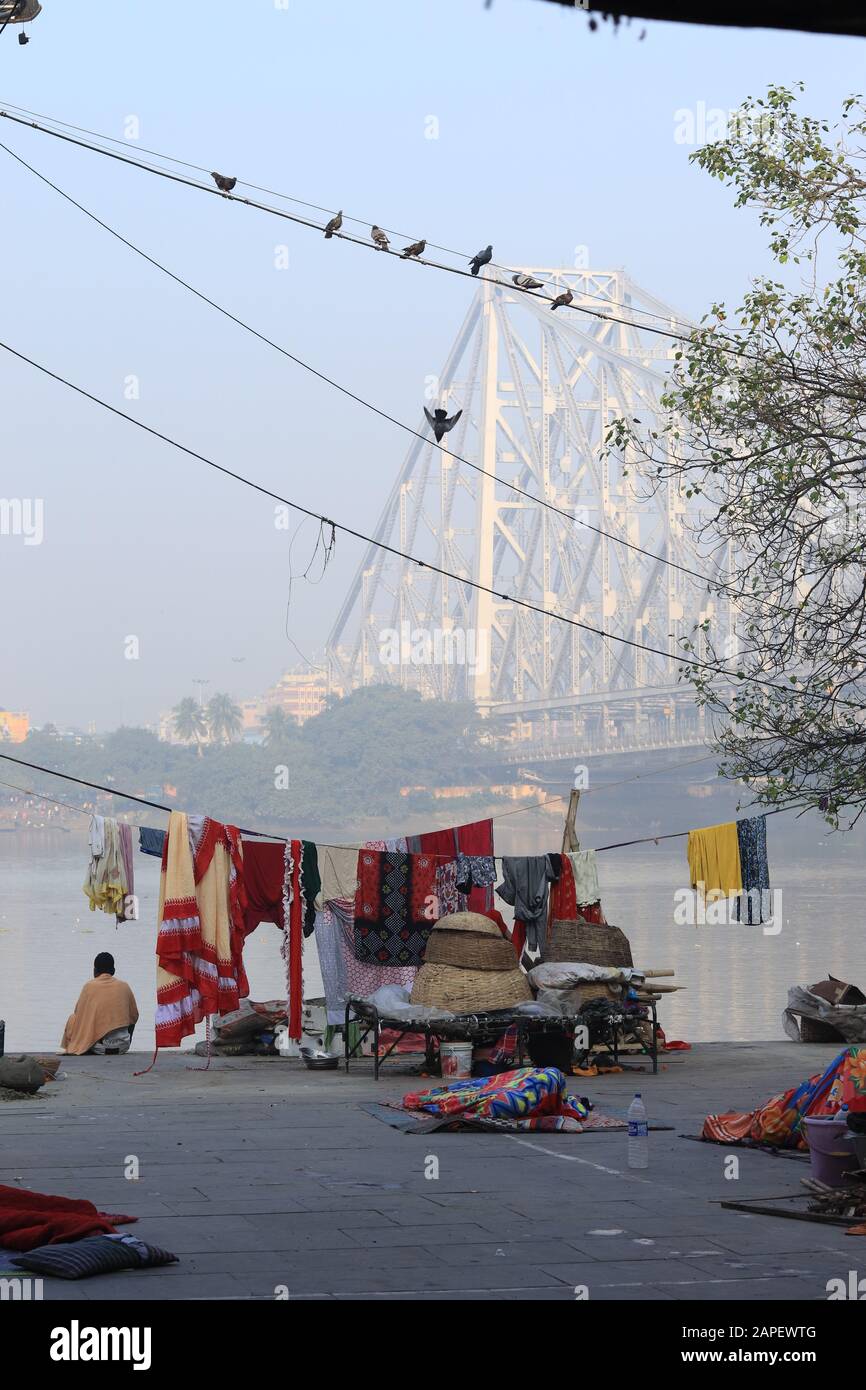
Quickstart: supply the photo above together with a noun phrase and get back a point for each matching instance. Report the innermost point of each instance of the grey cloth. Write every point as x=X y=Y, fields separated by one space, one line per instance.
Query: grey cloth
x=524 y=887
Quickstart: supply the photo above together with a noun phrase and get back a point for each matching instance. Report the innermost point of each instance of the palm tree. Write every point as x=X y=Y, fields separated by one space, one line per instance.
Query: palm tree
x=277 y=726
x=224 y=718
x=189 y=722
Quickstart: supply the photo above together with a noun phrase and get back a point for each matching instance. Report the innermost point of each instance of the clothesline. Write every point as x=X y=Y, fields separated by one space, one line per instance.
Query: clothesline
x=267 y=835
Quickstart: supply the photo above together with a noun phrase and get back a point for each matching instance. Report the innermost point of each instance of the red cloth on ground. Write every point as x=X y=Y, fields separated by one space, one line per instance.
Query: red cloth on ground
x=29 y=1219
x=477 y=838
x=263 y=875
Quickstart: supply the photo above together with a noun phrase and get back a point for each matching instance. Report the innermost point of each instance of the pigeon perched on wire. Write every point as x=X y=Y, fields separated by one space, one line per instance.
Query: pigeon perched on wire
x=380 y=238
x=440 y=422
x=416 y=249
x=334 y=225
x=565 y=298
x=225 y=185
x=481 y=258
x=526 y=282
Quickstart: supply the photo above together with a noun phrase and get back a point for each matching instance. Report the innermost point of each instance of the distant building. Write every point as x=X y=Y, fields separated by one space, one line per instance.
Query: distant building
x=13 y=727
x=300 y=694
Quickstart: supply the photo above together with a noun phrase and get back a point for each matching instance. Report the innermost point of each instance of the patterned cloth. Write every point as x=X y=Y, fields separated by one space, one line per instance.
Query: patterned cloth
x=754 y=870
x=780 y=1122
x=448 y=899
x=342 y=973
x=394 y=906
x=527 y=1098
x=475 y=871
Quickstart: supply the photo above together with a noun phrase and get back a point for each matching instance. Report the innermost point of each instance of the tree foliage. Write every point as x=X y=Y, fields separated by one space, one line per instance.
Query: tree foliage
x=764 y=430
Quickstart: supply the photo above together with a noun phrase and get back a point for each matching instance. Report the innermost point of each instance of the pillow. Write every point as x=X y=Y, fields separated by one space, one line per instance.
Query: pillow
x=93 y=1255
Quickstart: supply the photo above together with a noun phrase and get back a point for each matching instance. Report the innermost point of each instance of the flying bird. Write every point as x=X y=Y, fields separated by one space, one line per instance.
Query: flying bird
x=334 y=225
x=224 y=184
x=416 y=249
x=526 y=282
x=565 y=298
x=440 y=422
x=481 y=258
x=380 y=238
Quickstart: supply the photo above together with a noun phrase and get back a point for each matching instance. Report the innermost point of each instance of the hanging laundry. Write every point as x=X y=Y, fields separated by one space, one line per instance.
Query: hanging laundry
x=128 y=910
x=105 y=883
x=476 y=841
x=714 y=859
x=563 y=899
x=475 y=871
x=292 y=949
x=202 y=905
x=311 y=884
x=339 y=871
x=524 y=887
x=448 y=899
x=342 y=973
x=585 y=873
x=754 y=902
x=150 y=841
x=393 y=905
x=264 y=875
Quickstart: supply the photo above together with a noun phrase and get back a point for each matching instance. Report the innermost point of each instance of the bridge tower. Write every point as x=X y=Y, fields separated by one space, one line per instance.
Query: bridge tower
x=537 y=390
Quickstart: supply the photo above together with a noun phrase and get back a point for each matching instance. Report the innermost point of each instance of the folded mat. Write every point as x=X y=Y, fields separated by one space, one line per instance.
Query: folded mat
x=29 y=1219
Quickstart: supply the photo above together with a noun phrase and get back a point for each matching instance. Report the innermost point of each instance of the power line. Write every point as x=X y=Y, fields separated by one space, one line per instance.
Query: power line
x=722 y=341
x=345 y=236
x=314 y=207
x=265 y=834
x=712 y=584
x=692 y=661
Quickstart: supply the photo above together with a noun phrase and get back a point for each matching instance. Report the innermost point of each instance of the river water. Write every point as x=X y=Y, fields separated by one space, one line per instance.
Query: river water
x=736 y=977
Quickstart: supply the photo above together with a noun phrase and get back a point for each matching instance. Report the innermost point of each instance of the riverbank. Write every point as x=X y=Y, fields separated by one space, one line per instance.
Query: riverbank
x=260 y=1174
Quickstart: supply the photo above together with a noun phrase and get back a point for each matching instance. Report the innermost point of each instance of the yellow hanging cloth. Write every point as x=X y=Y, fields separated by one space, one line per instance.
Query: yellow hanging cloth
x=714 y=859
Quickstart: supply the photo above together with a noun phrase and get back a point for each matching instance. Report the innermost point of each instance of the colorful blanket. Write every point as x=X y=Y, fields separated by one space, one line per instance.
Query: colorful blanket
x=779 y=1122
x=529 y=1098
x=394 y=907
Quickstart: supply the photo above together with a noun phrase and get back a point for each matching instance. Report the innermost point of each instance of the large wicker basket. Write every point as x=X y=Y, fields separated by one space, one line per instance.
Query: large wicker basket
x=469 y=950
x=587 y=941
x=469 y=991
x=448 y=979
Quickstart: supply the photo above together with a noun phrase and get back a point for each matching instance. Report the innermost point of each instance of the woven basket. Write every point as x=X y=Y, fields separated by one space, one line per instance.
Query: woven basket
x=473 y=922
x=469 y=991
x=469 y=950
x=586 y=941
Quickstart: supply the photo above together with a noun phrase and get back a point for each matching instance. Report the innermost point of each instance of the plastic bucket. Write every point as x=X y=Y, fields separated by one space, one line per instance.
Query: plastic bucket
x=829 y=1150
x=456 y=1060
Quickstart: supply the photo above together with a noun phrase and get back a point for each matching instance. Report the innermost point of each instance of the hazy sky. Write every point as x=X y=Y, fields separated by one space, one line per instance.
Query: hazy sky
x=549 y=137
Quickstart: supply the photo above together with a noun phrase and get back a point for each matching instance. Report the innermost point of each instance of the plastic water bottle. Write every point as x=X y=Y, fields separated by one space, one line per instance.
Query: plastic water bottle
x=638 y=1134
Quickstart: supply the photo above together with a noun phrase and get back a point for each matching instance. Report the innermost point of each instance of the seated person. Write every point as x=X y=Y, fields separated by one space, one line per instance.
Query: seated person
x=105 y=1015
